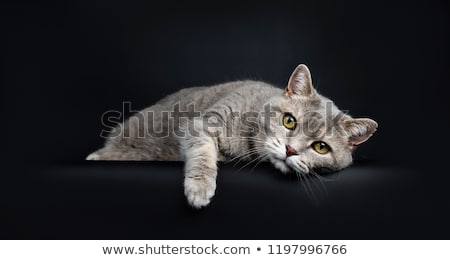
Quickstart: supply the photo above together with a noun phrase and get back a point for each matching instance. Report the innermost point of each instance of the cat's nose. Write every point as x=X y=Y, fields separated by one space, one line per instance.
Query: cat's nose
x=290 y=151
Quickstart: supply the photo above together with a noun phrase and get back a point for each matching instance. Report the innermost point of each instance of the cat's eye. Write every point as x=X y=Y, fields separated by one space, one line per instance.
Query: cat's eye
x=321 y=147
x=289 y=121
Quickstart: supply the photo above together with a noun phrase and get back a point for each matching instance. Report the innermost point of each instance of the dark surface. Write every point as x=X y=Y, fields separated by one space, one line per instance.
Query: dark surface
x=99 y=200
x=65 y=64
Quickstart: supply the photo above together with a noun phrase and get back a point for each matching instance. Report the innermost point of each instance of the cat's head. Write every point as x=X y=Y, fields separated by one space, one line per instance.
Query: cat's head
x=307 y=132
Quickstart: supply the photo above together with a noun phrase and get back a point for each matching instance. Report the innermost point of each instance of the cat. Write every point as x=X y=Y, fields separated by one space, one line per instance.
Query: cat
x=295 y=128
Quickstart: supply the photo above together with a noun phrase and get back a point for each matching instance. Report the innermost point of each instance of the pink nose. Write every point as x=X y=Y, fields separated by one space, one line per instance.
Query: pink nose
x=290 y=151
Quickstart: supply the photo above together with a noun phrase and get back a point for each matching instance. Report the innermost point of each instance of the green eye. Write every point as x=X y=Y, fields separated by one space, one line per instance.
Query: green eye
x=321 y=147
x=289 y=121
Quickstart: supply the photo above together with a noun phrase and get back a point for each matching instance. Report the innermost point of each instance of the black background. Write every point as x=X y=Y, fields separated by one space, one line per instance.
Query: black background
x=64 y=64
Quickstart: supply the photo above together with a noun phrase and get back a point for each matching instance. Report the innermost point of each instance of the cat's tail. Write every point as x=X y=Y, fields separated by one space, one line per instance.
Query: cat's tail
x=112 y=153
x=99 y=155
x=92 y=157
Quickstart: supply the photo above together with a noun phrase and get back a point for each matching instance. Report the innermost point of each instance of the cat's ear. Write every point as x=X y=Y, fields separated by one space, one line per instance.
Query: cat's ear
x=300 y=82
x=359 y=130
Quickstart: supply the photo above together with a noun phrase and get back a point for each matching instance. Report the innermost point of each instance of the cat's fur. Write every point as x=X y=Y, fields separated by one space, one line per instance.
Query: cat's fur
x=237 y=135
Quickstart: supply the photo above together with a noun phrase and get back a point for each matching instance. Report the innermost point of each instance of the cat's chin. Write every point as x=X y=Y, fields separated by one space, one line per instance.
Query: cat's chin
x=288 y=165
x=280 y=165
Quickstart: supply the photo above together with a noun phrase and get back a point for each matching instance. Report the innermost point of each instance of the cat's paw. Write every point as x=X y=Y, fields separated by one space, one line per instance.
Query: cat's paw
x=199 y=191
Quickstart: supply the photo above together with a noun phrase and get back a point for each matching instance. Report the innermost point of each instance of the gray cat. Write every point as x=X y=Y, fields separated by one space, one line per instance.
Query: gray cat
x=296 y=129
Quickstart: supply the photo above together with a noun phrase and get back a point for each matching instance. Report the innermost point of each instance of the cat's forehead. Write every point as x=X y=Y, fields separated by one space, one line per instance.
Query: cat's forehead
x=299 y=105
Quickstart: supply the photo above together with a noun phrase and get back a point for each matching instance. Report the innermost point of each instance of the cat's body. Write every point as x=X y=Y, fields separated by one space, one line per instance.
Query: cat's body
x=296 y=129
x=225 y=98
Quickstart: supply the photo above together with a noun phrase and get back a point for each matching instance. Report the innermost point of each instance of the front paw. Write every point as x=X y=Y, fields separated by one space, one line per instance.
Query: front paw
x=199 y=191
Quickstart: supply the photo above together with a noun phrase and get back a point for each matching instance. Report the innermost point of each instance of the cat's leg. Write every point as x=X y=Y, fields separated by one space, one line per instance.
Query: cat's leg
x=201 y=153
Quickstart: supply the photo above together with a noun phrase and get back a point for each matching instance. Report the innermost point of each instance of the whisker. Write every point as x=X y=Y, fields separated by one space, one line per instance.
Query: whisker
x=262 y=159
x=250 y=162
x=309 y=190
x=318 y=177
x=329 y=179
x=244 y=157
x=251 y=151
